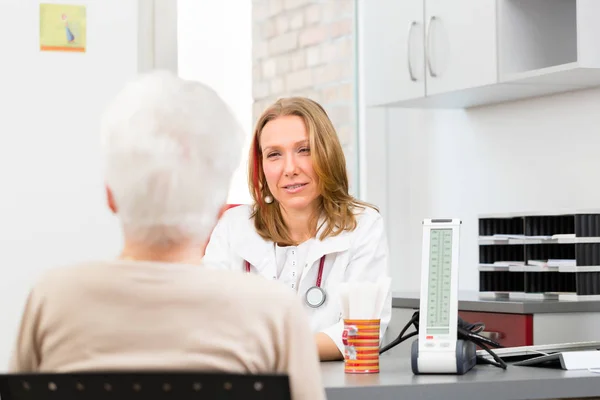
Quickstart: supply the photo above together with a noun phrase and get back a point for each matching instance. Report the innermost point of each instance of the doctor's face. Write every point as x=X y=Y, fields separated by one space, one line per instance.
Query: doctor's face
x=287 y=163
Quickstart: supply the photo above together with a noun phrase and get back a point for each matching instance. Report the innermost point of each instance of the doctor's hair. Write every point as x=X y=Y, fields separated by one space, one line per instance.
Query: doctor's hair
x=170 y=149
x=337 y=207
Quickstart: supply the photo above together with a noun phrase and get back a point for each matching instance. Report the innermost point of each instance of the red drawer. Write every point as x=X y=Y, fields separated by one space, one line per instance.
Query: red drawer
x=510 y=330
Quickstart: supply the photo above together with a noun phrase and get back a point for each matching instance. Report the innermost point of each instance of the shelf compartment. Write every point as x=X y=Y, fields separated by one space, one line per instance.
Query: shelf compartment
x=548 y=225
x=587 y=225
x=501 y=281
x=588 y=283
x=587 y=254
x=500 y=226
x=550 y=282
x=550 y=251
x=548 y=42
x=536 y=34
x=492 y=254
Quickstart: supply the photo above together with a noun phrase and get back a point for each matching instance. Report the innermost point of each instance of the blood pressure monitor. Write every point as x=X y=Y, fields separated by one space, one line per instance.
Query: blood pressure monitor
x=437 y=349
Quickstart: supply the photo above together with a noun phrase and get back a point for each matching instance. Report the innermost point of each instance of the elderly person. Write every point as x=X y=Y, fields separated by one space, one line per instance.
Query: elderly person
x=171 y=147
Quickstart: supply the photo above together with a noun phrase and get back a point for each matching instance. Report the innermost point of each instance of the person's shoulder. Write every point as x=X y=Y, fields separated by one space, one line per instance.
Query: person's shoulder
x=237 y=214
x=366 y=215
x=60 y=277
x=369 y=223
x=83 y=268
x=237 y=211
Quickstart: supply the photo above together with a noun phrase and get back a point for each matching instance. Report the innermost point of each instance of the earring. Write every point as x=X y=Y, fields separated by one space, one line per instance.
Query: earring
x=268 y=199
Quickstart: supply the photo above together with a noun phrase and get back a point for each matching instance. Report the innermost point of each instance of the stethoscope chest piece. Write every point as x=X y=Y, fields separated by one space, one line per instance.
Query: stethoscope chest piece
x=315 y=297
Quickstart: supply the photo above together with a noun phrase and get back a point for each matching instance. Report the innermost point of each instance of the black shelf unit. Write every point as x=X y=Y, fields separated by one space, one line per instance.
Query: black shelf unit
x=509 y=243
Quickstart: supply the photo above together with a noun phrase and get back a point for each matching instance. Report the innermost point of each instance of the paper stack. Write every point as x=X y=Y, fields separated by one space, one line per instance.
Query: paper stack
x=364 y=300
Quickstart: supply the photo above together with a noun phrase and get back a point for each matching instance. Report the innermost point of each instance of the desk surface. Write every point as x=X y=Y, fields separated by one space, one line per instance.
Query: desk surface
x=470 y=301
x=396 y=379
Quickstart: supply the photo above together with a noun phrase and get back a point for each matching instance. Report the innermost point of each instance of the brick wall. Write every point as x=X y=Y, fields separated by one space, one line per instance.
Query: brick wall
x=307 y=48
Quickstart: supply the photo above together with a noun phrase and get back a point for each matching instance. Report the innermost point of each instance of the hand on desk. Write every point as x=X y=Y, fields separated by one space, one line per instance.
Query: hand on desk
x=328 y=351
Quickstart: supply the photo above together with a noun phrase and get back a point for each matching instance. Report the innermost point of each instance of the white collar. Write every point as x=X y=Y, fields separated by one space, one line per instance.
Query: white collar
x=259 y=252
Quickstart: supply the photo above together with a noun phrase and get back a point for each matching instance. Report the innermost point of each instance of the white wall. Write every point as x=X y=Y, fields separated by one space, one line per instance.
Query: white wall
x=215 y=47
x=52 y=208
x=537 y=154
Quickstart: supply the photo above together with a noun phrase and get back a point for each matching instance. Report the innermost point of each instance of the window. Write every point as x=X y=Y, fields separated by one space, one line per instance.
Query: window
x=215 y=48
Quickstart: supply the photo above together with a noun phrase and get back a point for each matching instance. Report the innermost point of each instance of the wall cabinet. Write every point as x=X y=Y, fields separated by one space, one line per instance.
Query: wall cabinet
x=393 y=50
x=452 y=27
x=465 y=53
x=414 y=48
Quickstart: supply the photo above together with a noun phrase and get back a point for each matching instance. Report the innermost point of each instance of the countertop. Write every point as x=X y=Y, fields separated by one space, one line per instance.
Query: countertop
x=471 y=301
x=396 y=381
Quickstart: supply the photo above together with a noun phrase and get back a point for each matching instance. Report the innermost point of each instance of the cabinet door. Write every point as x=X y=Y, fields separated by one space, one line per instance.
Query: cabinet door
x=391 y=35
x=460 y=41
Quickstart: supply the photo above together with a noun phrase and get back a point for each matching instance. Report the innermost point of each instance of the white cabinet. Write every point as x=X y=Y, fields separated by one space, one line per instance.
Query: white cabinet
x=393 y=52
x=412 y=48
x=460 y=44
x=464 y=53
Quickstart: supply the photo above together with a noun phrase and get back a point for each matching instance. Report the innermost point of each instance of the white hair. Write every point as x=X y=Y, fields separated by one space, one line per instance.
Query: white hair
x=171 y=147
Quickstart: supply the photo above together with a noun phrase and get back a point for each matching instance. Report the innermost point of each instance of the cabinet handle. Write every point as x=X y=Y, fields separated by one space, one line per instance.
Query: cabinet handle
x=492 y=335
x=431 y=72
x=408 y=54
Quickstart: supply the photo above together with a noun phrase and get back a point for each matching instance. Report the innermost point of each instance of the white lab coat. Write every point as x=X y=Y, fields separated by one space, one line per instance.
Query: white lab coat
x=360 y=255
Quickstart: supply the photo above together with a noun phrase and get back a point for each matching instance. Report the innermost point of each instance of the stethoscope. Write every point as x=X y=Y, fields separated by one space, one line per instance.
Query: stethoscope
x=315 y=295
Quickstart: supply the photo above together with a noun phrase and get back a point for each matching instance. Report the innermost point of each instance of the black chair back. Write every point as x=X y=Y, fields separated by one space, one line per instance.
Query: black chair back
x=143 y=385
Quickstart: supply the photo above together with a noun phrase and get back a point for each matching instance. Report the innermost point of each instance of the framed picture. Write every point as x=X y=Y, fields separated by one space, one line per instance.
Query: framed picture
x=62 y=27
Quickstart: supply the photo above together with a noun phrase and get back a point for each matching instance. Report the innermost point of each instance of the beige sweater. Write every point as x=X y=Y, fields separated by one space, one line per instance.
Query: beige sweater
x=140 y=315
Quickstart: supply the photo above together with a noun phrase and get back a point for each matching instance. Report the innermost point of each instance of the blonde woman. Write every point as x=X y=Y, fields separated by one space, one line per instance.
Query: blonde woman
x=303 y=229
